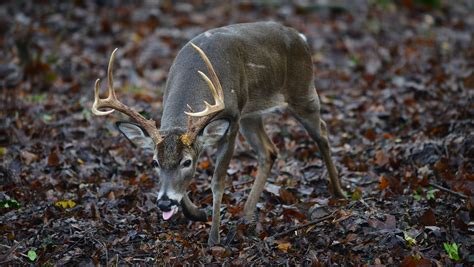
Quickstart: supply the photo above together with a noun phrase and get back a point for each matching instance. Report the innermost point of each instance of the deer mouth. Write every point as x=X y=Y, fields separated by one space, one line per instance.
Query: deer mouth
x=168 y=214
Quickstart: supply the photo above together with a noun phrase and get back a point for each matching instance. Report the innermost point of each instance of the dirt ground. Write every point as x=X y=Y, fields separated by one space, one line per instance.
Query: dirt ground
x=396 y=82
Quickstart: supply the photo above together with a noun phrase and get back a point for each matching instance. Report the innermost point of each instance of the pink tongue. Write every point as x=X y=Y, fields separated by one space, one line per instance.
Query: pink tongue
x=168 y=214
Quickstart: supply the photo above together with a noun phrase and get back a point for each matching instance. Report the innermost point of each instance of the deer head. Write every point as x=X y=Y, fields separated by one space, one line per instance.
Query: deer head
x=175 y=153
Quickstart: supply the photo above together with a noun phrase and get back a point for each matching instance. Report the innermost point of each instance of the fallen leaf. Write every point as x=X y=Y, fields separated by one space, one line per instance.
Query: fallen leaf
x=284 y=246
x=410 y=240
x=53 y=159
x=204 y=165
x=428 y=218
x=357 y=195
x=291 y=213
x=287 y=197
x=411 y=261
x=221 y=252
x=111 y=195
x=273 y=188
x=380 y=158
x=11 y=203
x=370 y=134
x=383 y=182
x=28 y=157
x=65 y=204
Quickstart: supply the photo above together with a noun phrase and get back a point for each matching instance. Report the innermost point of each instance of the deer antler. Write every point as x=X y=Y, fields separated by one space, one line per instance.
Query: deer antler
x=114 y=104
x=210 y=110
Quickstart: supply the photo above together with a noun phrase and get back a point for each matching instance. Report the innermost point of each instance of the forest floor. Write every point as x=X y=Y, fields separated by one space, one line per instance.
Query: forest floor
x=396 y=82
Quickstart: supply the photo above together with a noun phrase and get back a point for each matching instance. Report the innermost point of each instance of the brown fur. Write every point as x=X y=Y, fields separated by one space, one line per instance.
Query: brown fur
x=170 y=150
x=260 y=66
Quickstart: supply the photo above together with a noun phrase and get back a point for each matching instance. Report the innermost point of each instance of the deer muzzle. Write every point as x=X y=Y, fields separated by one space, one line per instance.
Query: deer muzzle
x=167 y=206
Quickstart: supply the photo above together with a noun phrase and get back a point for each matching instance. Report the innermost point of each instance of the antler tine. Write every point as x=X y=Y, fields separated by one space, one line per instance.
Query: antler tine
x=97 y=101
x=214 y=86
x=110 y=77
x=114 y=104
x=210 y=68
x=194 y=127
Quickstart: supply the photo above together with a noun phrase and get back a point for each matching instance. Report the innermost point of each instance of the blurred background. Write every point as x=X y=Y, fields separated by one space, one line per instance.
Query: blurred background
x=396 y=82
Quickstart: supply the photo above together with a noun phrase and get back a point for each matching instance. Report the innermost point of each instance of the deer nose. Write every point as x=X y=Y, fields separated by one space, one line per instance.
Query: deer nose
x=164 y=204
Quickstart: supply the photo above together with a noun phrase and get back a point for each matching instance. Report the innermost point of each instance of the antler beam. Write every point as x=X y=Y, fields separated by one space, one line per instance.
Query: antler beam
x=112 y=103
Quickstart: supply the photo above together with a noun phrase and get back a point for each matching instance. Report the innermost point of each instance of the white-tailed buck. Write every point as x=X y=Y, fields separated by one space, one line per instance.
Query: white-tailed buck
x=255 y=66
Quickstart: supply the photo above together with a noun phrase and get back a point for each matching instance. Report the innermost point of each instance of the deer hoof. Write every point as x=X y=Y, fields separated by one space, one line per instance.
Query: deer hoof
x=214 y=240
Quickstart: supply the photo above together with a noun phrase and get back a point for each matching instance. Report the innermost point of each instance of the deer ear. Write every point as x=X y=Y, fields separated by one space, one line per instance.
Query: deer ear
x=213 y=132
x=136 y=135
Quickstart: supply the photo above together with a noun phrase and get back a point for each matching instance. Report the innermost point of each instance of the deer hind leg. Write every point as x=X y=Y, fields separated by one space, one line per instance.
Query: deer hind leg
x=253 y=131
x=307 y=111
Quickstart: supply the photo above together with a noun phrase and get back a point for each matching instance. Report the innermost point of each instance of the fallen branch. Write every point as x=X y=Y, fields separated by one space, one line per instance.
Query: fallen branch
x=461 y=195
x=298 y=227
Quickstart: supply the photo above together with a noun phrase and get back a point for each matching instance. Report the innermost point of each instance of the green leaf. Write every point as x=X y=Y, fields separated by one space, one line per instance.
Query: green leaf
x=417 y=197
x=431 y=194
x=410 y=240
x=452 y=250
x=36 y=98
x=357 y=195
x=3 y=151
x=47 y=118
x=354 y=60
x=32 y=255
x=51 y=76
x=11 y=203
x=87 y=114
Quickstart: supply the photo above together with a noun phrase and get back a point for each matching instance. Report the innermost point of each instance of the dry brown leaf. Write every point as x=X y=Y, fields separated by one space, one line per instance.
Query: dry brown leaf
x=220 y=252
x=370 y=134
x=287 y=197
x=111 y=195
x=412 y=261
x=204 y=165
x=284 y=246
x=28 y=157
x=428 y=218
x=383 y=182
x=380 y=158
x=53 y=159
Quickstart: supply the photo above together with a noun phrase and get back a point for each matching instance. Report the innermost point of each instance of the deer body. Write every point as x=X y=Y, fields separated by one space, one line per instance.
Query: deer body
x=259 y=66
x=258 y=61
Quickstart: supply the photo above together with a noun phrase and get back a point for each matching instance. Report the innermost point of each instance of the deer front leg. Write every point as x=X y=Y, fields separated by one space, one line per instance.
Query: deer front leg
x=253 y=130
x=224 y=154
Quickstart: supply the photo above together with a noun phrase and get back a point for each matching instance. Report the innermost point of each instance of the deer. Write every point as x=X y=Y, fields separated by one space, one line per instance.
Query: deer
x=255 y=68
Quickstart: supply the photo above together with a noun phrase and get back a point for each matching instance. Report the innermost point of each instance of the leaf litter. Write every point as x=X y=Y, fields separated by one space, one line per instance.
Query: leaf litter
x=397 y=98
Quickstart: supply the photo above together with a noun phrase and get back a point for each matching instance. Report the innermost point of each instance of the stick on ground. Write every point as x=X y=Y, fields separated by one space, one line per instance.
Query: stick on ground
x=461 y=195
x=298 y=227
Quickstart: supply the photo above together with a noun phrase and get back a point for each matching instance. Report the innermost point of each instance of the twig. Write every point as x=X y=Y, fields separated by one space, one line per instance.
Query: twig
x=368 y=183
x=6 y=257
x=461 y=195
x=298 y=227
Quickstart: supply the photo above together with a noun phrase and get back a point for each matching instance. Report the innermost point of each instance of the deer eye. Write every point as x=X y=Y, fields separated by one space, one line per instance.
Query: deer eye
x=187 y=163
x=155 y=164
